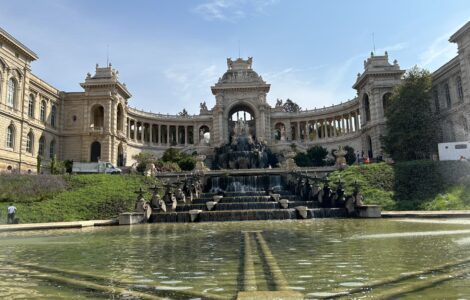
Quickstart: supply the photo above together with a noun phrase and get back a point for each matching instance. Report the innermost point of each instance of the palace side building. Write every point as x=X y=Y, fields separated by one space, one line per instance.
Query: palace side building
x=37 y=119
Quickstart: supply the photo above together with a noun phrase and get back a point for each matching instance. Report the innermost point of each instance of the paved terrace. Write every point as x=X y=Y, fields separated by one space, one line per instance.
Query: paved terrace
x=56 y=225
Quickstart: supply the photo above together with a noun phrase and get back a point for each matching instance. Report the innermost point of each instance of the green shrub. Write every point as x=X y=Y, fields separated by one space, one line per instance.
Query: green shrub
x=187 y=163
x=75 y=197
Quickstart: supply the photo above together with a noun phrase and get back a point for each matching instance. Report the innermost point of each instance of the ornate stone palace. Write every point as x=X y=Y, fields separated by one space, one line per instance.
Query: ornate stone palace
x=36 y=119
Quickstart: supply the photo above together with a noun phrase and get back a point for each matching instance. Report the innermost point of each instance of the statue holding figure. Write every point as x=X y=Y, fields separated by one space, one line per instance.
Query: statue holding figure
x=203 y=106
x=283 y=133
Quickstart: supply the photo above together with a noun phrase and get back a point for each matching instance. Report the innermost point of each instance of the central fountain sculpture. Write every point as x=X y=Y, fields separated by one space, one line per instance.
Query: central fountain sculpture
x=243 y=151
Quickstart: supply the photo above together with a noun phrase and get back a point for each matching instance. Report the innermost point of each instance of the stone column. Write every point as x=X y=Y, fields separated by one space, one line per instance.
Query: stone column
x=168 y=135
x=128 y=128
x=307 y=135
x=298 y=131
x=135 y=131
x=262 y=122
x=334 y=126
x=150 y=134
x=159 y=135
x=186 y=134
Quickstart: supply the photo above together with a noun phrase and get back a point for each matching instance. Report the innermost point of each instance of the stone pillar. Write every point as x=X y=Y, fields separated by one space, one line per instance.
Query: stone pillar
x=135 y=131
x=159 y=135
x=168 y=134
x=334 y=126
x=185 y=134
x=351 y=123
x=298 y=131
x=128 y=133
x=307 y=135
x=262 y=123
x=151 y=134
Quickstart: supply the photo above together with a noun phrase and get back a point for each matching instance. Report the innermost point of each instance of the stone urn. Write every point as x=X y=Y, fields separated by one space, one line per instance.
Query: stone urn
x=340 y=158
x=290 y=164
x=200 y=166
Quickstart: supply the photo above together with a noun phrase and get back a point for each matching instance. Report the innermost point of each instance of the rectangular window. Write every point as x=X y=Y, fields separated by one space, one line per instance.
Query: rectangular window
x=461 y=146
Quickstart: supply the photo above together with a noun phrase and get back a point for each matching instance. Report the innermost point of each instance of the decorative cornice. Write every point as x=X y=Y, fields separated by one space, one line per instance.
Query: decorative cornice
x=20 y=46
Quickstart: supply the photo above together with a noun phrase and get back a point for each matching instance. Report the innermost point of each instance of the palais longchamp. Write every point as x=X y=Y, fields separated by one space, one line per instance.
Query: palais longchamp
x=38 y=120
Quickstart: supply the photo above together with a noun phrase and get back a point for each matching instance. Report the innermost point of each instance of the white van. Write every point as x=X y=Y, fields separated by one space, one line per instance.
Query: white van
x=95 y=167
x=454 y=151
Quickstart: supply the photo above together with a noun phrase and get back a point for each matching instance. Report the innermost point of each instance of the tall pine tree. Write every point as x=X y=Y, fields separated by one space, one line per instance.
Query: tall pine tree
x=412 y=130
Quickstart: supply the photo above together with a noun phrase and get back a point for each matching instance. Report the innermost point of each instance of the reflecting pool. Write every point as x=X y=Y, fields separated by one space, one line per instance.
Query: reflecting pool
x=323 y=258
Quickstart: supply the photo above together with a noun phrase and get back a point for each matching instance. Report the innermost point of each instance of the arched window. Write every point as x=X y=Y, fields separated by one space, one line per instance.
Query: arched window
x=43 y=111
x=464 y=124
x=10 y=137
x=448 y=99
x=120 y=118
x=31 y=106
x=11 y=92
x=95 y=151
x=120 y=156
x=29 y=142
x=97 y=116
x=52 y=149
x=42 y=145
x=53 y=115
x=204 y=134
x=386 y=102
x=459 y=88
x=366 y=107
x=436 y=100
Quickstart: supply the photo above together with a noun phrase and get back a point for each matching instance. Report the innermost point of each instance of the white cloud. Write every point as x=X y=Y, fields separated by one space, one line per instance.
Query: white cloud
x=190 y=82
x=322 y=85
x=232 y=10
x=440 y=51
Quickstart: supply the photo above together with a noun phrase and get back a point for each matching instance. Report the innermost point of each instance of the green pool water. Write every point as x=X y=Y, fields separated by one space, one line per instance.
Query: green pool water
x=318 y=258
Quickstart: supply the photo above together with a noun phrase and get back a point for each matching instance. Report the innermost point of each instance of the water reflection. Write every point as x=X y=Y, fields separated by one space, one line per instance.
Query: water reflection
x=317 y=257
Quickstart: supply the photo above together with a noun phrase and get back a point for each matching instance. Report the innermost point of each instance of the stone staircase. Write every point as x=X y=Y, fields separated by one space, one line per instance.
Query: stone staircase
x=245 y=206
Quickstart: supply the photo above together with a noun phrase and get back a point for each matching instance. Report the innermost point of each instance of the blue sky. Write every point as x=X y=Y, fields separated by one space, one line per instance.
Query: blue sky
x=169 y=53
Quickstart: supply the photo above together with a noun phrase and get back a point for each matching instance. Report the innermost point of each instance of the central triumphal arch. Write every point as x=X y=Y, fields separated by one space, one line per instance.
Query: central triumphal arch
x=240 y=94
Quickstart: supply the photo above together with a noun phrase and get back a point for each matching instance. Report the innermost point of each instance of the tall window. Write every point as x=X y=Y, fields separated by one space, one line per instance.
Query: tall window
x=447 y=91
x=436 y=100
x=31 y=106
x=42 y=145
x=459 y=88
x=366 y=107
x=52 y=149
x=29 y=142
x=43 y=111
x=53 y=115
x=10 y=136
x=11 y=93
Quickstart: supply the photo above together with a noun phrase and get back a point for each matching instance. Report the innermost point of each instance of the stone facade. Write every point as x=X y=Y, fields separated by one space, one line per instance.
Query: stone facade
x=98 y=124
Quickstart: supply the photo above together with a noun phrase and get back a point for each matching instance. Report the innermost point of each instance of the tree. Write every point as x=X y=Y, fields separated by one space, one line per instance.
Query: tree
x=185 y=161
x=315 y=157
x=411 y=124
x=318 y=155
x=291 y=106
